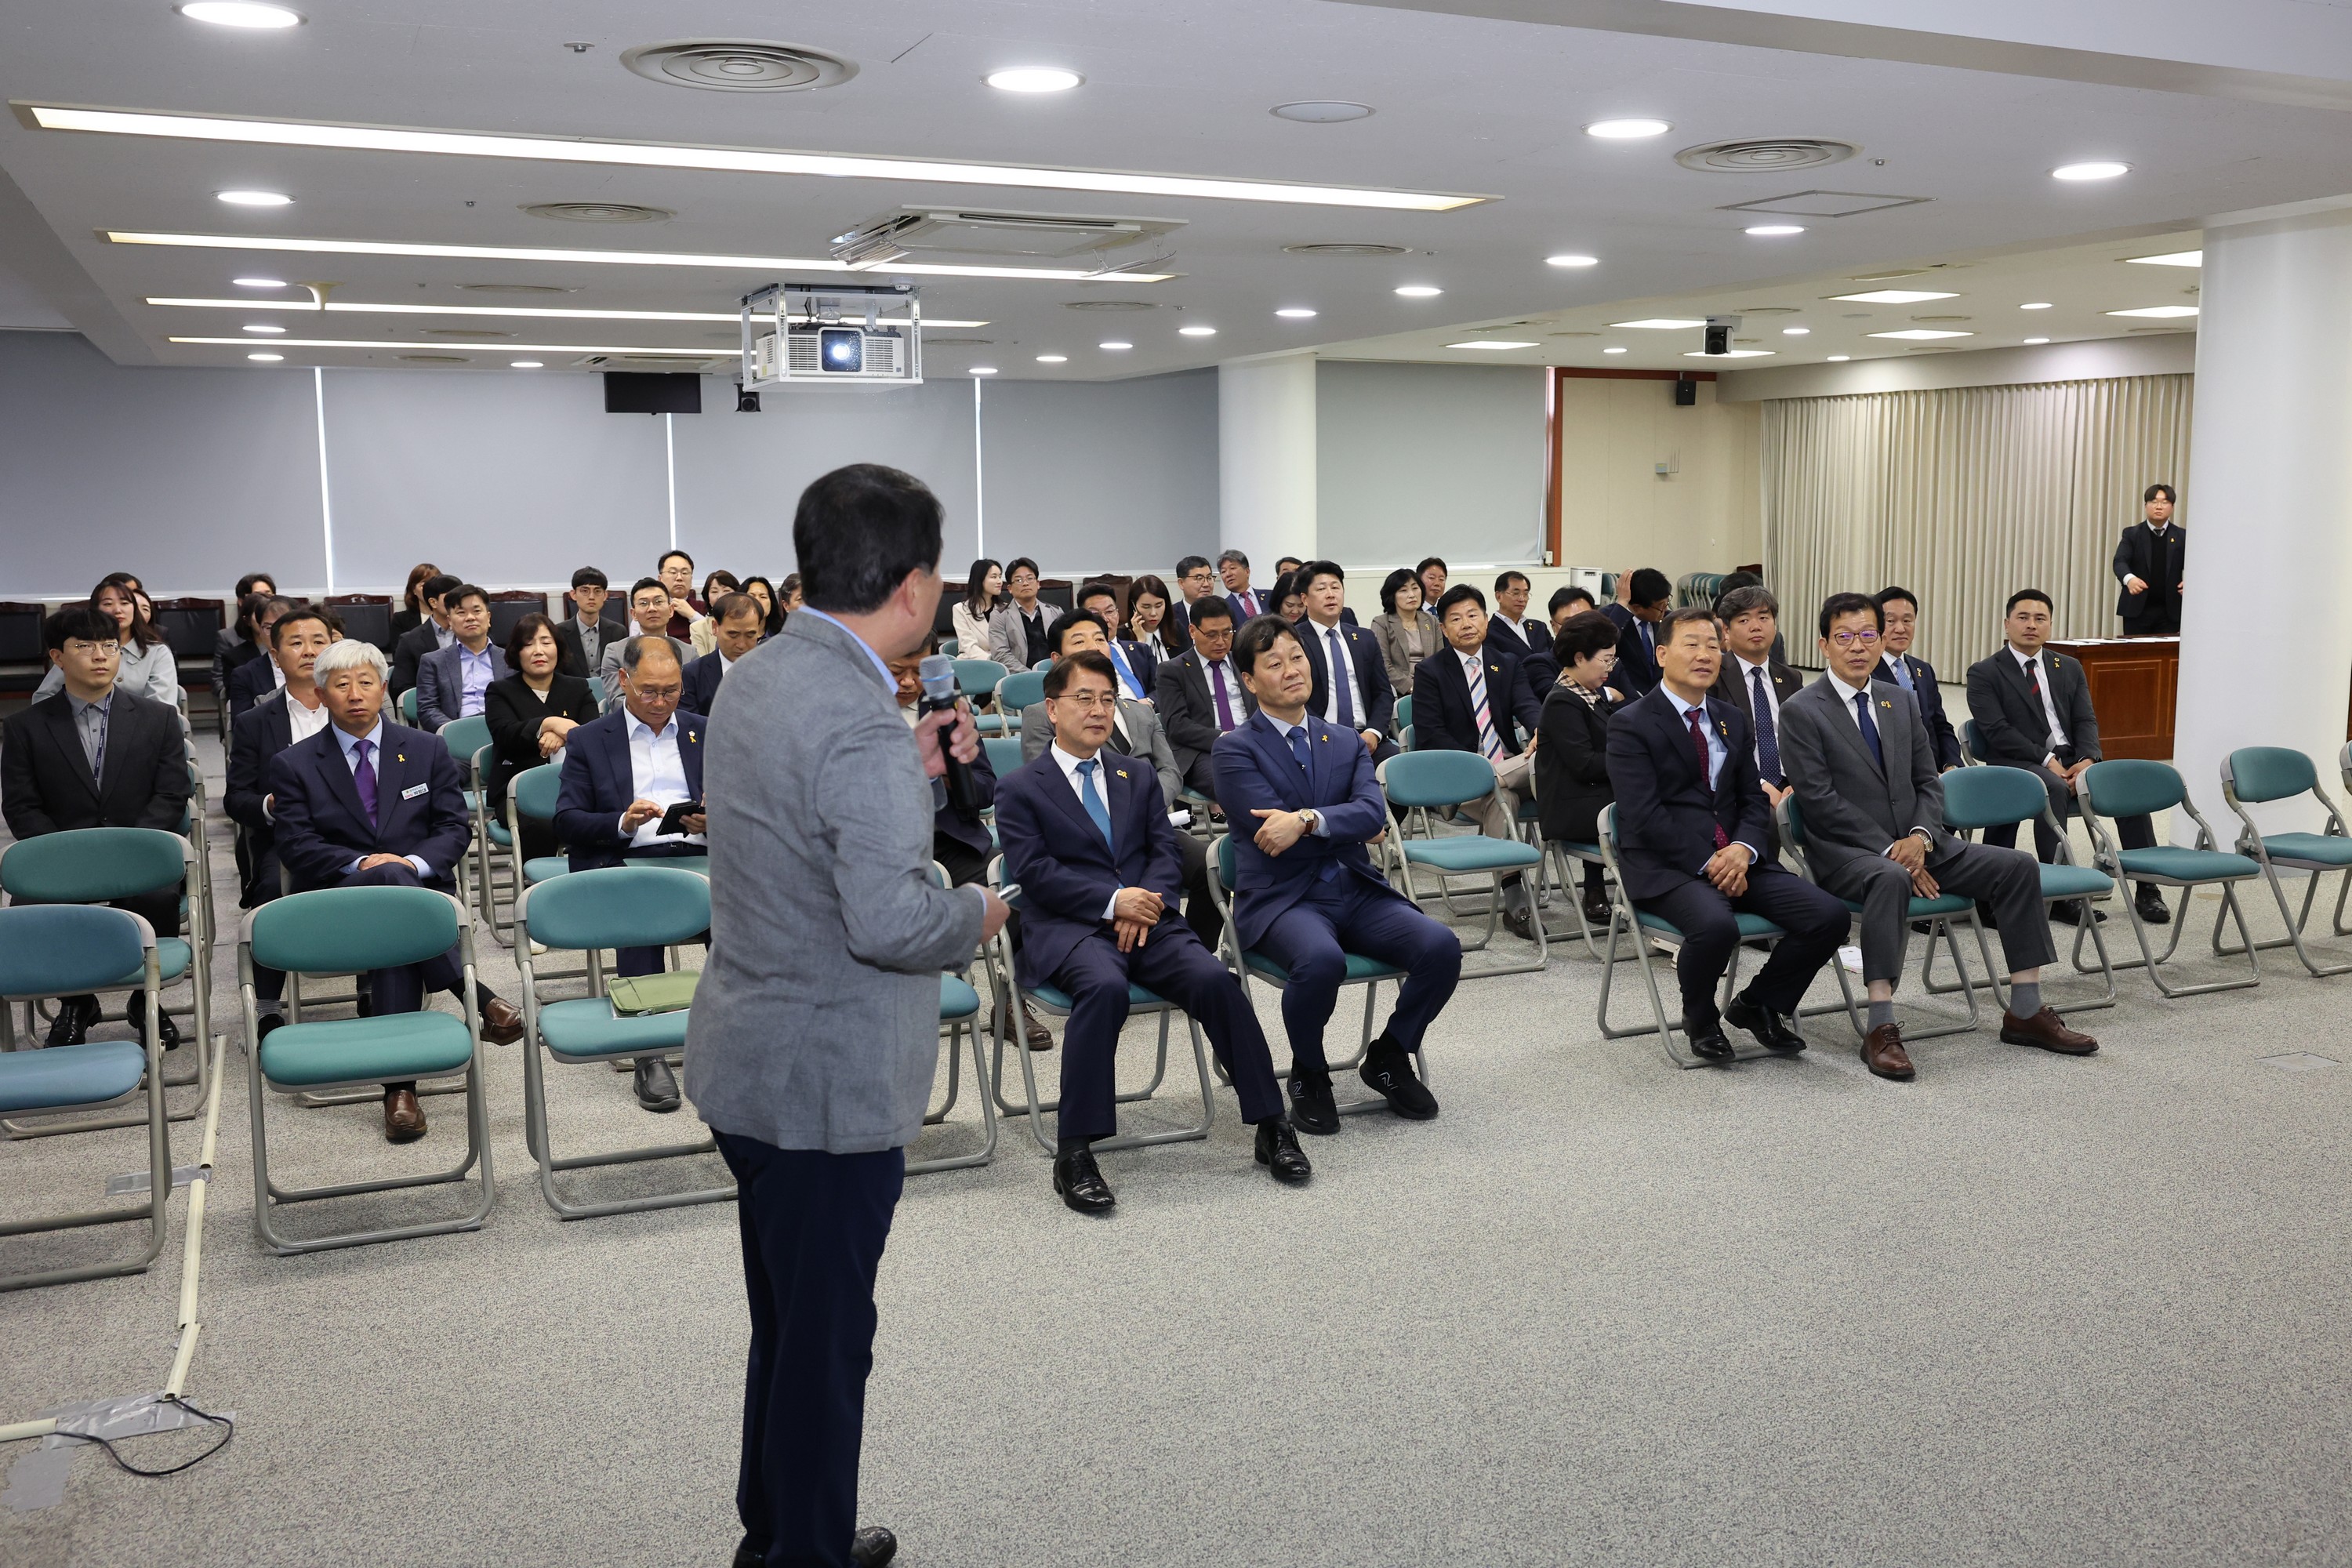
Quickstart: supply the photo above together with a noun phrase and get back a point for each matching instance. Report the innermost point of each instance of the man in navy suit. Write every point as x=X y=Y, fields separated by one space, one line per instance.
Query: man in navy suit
x=1643 y=597
x=1519 y=633
x=1303 y=802
x=1469 y=697
x=1086 y=835
x=1695 y=845
x=1899 y=612
x=1360 y=700
x=364 y=803
x=620 y=776
x=1246 y=602
x=736 y=623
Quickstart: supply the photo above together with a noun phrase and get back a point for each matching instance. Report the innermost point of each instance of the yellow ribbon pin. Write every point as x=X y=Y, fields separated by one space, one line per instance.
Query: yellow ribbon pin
x=1121 y=772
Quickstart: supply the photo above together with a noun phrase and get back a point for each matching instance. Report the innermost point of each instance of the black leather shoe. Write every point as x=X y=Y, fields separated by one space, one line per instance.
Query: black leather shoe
x=1387 y=1072
x=1278 y=1151
x=746 y=1557
x=167 y=1030
x=1709 y=1043
x=871 y=1546
x=267 y=1021
x=1080 y=1182
x=1776 y=1032
x=1596 y=911
x=1312 y=1108
x=75 y=1016
x=2149 y=901
x=2071 y=913
x=657 y=1086
x=1520 y=923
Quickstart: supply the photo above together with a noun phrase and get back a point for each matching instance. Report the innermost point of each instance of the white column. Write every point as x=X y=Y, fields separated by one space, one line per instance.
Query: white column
x=2266 y=643
x=1265 y=461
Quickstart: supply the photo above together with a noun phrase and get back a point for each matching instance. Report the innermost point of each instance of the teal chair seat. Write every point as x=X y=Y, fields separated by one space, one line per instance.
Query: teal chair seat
x=1470 y=852
x=1058 y=1000
x=958 y=1000
x=1360 y=968
x=1942 y=904
x=2074 y=882
x=64 y=1077
x=545 y=868
x=499 y=834
x=2314 y=848
x=366 y=1050
x=1750 y=926
x=588 y=1027
x=171 y=960
x=2187 y=865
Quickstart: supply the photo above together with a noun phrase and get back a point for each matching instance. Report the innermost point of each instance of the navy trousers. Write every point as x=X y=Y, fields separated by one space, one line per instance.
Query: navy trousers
x=1816 y=924
x=1312 y=940
x=814 y=1225
x=1173 y=964
x=403 y=989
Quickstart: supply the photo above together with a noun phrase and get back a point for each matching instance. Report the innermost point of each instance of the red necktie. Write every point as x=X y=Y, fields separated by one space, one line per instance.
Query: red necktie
x=1698 y=739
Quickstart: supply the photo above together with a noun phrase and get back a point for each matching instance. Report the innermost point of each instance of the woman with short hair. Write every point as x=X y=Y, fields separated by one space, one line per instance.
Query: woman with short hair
x=1404 y=628
x=530 y=712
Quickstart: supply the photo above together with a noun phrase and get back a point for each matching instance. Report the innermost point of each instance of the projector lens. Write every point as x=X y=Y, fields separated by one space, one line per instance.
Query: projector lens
x=842 y=349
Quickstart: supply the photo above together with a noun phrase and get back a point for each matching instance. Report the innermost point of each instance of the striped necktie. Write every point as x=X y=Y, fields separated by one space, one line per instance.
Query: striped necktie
x=1490 y=744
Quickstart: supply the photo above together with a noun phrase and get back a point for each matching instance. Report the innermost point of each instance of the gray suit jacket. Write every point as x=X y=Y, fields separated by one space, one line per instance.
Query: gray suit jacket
x=817 y=1022
x=1008 y=639
x=1852 y=809
x=441 y=684
x=1145 y=739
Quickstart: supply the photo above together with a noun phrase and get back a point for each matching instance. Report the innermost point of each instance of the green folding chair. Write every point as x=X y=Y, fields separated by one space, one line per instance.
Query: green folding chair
x=468 y=740
x=1004 y=753
x=644 y=905
x=2253 y=776
x=69 y=949
x=350 y=931
x=976 y=680
x=1972 y=750
x=97 y=865
x=1995 y=796
x=960 y=1009
x=1420 y=783
x=2133 y=788
x=531 y=797
x=1021 y=688
x=408 y=706
x=1404 y=722
x=951 y=646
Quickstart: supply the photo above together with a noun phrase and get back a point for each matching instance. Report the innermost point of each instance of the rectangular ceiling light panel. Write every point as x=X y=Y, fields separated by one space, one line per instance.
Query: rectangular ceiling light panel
x=2176 y=259
x=1897 y=296
x=722 y=160
x=1824 y=204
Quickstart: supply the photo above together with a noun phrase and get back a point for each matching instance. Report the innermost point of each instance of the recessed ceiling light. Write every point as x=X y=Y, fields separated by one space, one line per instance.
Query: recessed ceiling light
x=1296 y=313
x=2094 y=170
x=1662 y=324
x=1894 y=295
x=239 y=14
x=2160 y=313
x=1419 y=291
x=1732 y=354
x=1491 y=343
x=2037 y=339
x=1321 y=112
x=2038 y=305
x=1114 y=346
x=1052 y=359
x=1612 y=350
x=1572 y=261
x=1197 y=332
x=1838 y=358
x=1034 y=79
x=1774 y=230
x=556 y=313
x=262 y=327
x=725 y=159
x=1626 y=130
x=2174 y=259
x=610 y=258
x=252 y=283
x=1796 y=332
x=266 y=359
x=524 y=365
x=1922 y=334
x=255 y=198
x=983 y=369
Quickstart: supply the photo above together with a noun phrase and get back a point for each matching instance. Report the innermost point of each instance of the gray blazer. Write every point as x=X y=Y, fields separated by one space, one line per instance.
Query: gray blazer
x=608 y=666
x=1852 y=810
x=1008 y=641
x=1144 y=739
x=817 y=1022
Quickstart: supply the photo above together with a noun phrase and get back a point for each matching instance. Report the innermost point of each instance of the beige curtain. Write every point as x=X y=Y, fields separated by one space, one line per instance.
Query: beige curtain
x=1964 y=496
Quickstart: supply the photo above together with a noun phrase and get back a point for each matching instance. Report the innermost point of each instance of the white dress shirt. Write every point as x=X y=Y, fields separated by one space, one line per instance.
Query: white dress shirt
x=1342 y=666
x=1215 y=671
x=2041 y=677
x=658 y=774
x=1068 y=764
x=303 y=720
x=1898 y=671
x=1746 y=672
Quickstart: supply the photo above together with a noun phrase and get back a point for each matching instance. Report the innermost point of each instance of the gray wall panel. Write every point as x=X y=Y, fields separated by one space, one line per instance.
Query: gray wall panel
x=1412 y=459
x=1106 y=476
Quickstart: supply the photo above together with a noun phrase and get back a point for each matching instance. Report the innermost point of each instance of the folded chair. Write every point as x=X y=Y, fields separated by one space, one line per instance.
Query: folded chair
x=2254 y=775
x=1981 y=797
x=1938 y=912
x=67 y=950
x=1420 y=783
x=2131 y=788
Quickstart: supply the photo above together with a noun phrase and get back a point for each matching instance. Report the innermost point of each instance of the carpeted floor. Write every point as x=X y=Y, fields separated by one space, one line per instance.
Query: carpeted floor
x=2026 y=1311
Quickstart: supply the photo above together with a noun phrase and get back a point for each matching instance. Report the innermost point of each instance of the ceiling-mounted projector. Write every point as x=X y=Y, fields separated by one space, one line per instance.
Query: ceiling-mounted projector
x=841 y=334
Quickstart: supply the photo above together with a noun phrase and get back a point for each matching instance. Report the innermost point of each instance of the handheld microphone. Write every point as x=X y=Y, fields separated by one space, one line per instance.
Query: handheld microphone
x=937 y=673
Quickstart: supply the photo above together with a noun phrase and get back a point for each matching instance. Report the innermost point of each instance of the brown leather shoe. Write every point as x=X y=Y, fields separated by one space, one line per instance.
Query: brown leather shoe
x=1040 y=1037
x=2048 y=1031
x=502 y=1022
x=1883 y=1053
x=403 y=1119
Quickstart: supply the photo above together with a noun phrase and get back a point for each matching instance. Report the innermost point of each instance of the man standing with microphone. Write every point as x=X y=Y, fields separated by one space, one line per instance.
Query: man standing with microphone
x=815 y=1028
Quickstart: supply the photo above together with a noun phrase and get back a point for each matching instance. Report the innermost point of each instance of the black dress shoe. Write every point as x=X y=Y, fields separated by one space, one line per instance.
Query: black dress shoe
x=265 y=1022
x=1312 y=1108
x=2071 y=913
x=167 y=1030
x=871 y=1546
x=1709 y=1043
x=1278 y=1151
x=657 y=1086
x=1520 y=923
x=2151 y=907
x=1080 y=1182
x=75 y=1016
x=1596 y=909
x=746 y=1557
x=1776 y=1031
x=1387 y=1072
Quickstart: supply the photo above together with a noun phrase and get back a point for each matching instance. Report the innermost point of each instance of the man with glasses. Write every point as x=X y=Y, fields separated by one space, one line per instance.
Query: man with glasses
x=94 y=755
x=1195 y=580
x=649 y=611
x=1018 y=628
x=1200 y=695
x=1865 y=776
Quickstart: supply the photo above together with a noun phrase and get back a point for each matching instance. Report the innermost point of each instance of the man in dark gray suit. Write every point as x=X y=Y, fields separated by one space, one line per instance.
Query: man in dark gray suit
x=815 y=1028
x=1865 y=780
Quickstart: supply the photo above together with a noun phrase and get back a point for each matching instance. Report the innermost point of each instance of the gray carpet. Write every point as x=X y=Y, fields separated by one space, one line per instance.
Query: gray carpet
x=2026 y=1310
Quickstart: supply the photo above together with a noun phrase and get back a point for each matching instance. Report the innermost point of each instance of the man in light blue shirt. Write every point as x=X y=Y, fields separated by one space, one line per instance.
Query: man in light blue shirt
x=451 y=681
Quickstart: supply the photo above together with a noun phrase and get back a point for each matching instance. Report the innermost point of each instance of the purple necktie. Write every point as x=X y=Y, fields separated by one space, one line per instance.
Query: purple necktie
x=1225 y=709
x=363 y=777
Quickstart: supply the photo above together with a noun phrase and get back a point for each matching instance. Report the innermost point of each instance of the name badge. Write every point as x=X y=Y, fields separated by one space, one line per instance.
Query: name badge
x=412 y=791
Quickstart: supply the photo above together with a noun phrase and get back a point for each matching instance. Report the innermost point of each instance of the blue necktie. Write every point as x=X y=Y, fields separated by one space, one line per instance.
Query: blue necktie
x=1340 y=681
x=1869 y=730
x=1768 y=739
x=1093 y=801
x=1125 y=673
x=1299 y=749
x=1902 y=677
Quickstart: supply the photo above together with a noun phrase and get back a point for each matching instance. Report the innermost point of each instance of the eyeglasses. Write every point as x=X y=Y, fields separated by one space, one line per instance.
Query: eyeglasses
x=1089 y=703
x=659 y=693
x=1848 y=639
x=76 y=647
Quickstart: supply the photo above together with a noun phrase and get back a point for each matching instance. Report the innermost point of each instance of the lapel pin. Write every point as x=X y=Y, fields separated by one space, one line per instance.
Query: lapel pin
x=400 y=757
x=1886 y=704
x=1121 y=772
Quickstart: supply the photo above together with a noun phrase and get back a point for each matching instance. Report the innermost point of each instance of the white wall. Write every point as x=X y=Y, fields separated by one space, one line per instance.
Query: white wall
x=1617 y=512
x=1415 y=460
x=1118 y=476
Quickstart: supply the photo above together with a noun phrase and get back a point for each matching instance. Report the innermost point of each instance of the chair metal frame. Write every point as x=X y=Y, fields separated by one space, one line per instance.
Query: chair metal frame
x=1398 y=861
x=2255 y=848
x=159 y=1146
x=2107 y=857
x=962 y=1026
x=267 y=1195
x=2087 y=923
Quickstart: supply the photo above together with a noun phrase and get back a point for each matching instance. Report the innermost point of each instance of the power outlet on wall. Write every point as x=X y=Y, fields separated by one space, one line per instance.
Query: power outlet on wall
x=1670 y=465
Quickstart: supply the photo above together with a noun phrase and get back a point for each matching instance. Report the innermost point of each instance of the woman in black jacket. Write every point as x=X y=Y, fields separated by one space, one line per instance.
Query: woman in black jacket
x=1572 y=755
x=530 y=713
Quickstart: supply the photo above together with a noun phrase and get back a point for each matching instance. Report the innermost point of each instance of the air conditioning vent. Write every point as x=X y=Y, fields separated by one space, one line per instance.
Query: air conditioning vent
x=1764 y=154
x=738 y=65
x=1347 y=248
x=434 y=359
x=971 y=232
x=599 y=212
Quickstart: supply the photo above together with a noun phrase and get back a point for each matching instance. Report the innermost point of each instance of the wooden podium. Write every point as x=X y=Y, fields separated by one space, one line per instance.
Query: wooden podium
x=2134 y=682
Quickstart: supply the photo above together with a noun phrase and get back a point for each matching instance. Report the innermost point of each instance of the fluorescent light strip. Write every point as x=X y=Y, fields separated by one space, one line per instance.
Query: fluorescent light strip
x=1897 y=296
x=2160 y=313
x=2175 y=259
x=729 y=160
x=437 y=346
x=354 y=307
x=608 y=257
